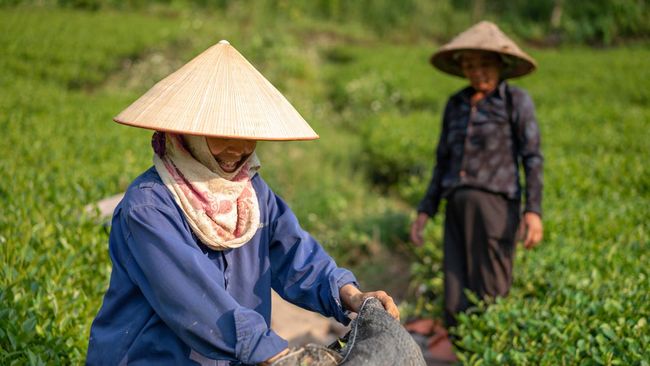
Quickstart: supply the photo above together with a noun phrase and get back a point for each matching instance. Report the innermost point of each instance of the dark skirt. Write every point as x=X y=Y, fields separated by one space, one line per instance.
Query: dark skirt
x=479 y=247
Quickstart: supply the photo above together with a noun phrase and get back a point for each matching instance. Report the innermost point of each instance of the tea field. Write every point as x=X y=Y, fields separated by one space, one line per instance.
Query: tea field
x=581 y=298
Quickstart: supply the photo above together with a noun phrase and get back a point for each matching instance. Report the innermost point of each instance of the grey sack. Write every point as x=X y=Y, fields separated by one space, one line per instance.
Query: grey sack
x=376 y=339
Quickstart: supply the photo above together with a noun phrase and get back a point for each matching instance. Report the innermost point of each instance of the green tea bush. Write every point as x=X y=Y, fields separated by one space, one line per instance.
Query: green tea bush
x=383 y=78
x=399 y=146
x=46 y=46
x=60 y=152
x=602 y=22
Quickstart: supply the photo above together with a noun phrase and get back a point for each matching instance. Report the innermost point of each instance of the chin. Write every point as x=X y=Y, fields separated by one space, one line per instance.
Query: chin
x=229 y=170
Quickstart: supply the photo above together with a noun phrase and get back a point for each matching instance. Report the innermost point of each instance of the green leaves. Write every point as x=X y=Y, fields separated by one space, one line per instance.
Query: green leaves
x=57 y=158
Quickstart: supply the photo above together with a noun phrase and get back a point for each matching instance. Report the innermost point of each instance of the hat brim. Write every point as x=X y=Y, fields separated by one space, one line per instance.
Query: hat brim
x=225 y=136
x=518 y=65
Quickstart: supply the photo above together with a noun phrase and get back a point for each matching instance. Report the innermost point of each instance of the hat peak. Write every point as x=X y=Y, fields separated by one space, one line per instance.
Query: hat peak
x=223 y=41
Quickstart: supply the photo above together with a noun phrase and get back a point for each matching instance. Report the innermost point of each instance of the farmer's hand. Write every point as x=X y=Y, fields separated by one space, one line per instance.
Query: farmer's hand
x=531 y=226
x=274 y=358
x=417 y=227
x=352 y=299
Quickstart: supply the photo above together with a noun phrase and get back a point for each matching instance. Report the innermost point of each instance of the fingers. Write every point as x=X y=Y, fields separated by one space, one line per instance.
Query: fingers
x=528 y=242
x=533 y=237
x=386 y=301
x=417 y=227
x=392 y=308
x=416 y=234
x=534 y=229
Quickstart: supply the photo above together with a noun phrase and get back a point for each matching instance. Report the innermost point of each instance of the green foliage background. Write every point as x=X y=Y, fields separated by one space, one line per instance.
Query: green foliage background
x=364 y=84
x=597 y=22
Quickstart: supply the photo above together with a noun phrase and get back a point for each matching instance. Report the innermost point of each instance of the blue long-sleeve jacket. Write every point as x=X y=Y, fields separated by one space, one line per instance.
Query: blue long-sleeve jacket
x=172 y=300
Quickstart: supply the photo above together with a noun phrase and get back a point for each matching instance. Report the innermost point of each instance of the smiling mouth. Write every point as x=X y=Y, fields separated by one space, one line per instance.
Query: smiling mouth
x=230 y=166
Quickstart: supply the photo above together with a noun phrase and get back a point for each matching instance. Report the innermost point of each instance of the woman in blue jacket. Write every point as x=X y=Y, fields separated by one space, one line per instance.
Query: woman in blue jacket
x=200 y=239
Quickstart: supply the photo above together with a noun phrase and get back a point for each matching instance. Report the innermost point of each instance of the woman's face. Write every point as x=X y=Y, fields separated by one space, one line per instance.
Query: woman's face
x=230 y=153
x=482 y=69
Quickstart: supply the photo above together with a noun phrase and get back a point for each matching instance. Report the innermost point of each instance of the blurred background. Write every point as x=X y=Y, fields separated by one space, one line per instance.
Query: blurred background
x=358 y=72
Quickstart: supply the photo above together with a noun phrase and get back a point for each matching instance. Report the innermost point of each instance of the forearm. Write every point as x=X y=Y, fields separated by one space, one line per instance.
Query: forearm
x=529 y=149
x=533 y=169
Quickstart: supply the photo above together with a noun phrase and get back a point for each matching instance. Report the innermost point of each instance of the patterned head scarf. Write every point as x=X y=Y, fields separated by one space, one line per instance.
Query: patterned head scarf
x=220 y=207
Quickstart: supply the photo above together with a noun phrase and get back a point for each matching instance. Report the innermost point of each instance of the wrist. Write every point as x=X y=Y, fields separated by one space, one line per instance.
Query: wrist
x=422 y=218
x=349 y=295
x=532 y=210
x=532 y=214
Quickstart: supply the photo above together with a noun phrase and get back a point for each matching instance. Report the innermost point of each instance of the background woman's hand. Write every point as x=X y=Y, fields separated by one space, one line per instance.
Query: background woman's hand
x=418 y=227
x=533 y=229
x=353 y=298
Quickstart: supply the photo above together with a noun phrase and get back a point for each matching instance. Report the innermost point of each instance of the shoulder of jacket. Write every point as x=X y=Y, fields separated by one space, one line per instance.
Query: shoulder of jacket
x=517 y=93
x=147 y=190
x=458 y=95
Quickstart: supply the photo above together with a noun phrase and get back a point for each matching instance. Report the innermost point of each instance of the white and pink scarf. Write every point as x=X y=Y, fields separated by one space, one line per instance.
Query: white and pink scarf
x=220 y=207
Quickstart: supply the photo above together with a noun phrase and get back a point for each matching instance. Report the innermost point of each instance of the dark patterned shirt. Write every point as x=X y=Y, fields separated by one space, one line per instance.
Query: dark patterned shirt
x=477 y=148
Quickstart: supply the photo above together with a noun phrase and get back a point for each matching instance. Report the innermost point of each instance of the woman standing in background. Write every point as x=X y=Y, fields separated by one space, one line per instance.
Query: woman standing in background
x=488 y=130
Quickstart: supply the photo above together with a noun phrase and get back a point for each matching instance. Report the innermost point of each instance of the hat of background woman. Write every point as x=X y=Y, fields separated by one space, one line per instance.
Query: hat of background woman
x=484 y=36
x=219 y=94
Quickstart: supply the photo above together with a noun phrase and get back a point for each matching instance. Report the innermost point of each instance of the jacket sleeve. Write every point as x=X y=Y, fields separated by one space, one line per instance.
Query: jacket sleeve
x=429 y=204
x=303 y=273
x=529 y=150
x=187 y=291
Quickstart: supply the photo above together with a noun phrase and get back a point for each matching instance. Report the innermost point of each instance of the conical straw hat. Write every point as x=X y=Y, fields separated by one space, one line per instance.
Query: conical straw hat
x=220 y=94
x=484 y=36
